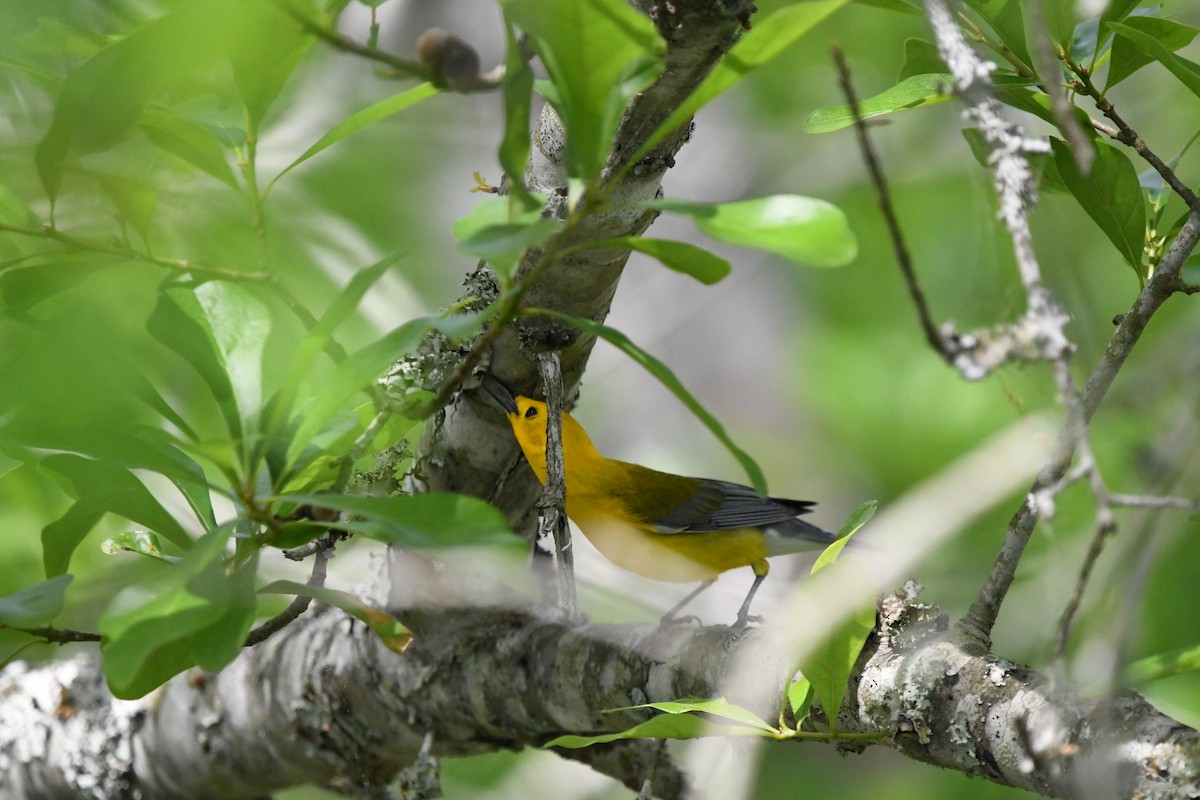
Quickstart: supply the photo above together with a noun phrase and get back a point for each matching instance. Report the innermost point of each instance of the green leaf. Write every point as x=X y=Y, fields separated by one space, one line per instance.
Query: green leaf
x=664 y=374
x=858 y=517
x=360 y=120
x=1111 y=196
x=135 y=199
x=768 y=38
x=689 y=259
x=1115 y=11
x=518 y=105
x=264 y=48
x=104 y=96
x=431 y=519
x=1141 y=40
x=802 y=229
x=141 y=542
x=188 y=615
x=178 y=322
x=903 y=6
x=1059 y=16
x=915 y=92
x=1163 y=665
x=679 y=722
x=503 y=245
x=1006 y=19
x=35 y=605
x=394 y=635
x=920 y=58
x=365 y=365
x=189 y=140
x=799 y=698
x=239 y=324
x=599 y=55
x=99 y=487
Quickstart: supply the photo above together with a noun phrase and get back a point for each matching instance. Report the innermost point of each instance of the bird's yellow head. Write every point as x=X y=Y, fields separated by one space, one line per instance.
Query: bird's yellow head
x=528 y=419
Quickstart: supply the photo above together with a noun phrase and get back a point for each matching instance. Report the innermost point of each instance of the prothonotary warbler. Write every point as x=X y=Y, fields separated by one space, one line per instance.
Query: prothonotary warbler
x=658 y=525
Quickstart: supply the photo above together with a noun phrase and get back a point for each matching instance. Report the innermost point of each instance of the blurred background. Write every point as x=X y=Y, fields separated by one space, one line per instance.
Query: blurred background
x=822 y=375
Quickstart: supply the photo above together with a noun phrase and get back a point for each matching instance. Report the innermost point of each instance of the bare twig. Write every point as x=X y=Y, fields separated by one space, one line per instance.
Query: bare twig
x=297 y=607
x=884 y=198
x=1155 y=501
x=55 y=635
x=553 y=502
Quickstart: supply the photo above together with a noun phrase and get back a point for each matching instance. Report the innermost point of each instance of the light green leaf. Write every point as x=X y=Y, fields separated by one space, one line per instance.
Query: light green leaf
x=599 y=55
x=189 y=140
x=141 y=542
x=802 y=229
x=188 y=615
x=768 y=38
x=680 y=722
x=264 y=48
x=664 y=374
x=917 y=91
x=1007 y=20
x=689 y=259
x=799 y=698
x=99 y=487
x=1141 y=40
x=360 y=120
x=239 y=324
x=431 y=519
x=394 y=635
x=1110 y=194
x=35 y=605
x=858 y=517
x=104 y=96
x=503 y=245
x=1163 y=665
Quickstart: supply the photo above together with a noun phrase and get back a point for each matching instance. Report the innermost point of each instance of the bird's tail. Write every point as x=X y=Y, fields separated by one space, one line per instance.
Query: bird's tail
x=796 y=535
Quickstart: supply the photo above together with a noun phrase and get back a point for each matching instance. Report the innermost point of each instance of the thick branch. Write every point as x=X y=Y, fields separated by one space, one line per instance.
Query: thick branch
x=325 y=701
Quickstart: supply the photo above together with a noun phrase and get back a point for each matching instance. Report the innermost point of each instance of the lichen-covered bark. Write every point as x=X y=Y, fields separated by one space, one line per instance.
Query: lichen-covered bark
x=325 y=701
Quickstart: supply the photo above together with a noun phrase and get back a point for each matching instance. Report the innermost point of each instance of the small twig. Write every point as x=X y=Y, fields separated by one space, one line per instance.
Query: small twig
x=553 y=502
x=187 y=266
x=318 y=545
x=884 y=198
x=55 y=635
x=1155 y=501
x=1128 y=136
x=297 y=607
x=331 y=37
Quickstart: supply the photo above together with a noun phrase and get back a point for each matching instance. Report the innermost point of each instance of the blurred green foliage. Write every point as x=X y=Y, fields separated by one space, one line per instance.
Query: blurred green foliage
x=179 y=327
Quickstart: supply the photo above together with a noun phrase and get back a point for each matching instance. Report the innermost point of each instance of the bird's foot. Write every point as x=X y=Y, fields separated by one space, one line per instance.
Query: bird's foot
x=669 y=620
x=738 y=628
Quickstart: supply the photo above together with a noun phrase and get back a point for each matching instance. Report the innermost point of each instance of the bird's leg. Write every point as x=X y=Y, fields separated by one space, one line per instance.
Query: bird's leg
x=743 y=618
x=669 y=617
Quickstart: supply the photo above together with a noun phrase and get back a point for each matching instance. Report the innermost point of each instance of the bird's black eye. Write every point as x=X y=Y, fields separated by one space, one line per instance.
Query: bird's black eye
x=530 y=412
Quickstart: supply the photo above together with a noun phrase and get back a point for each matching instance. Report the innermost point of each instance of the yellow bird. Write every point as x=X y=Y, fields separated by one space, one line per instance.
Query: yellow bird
x=658 y=525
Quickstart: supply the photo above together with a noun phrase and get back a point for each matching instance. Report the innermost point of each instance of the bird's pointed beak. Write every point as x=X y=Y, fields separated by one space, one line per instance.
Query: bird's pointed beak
x=502 y=393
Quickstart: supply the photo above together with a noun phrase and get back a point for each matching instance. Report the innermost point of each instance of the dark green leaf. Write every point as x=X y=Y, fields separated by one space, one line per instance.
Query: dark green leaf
x=599 y=54
x=903 y=6
x=1141 y=40
x=920 y=58
x=679 y=256
x=802 y=229
x=394 y=635
x=362 y=119
x=1116 y=11
x=1111 y=196
x=664 y=374
x=100 y=487
x=432 y=519
x=915 y=92
x=768 y=38
x=189 y=140
x=35 y=605
x=1059 y=16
